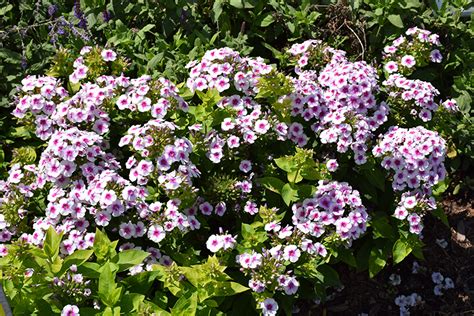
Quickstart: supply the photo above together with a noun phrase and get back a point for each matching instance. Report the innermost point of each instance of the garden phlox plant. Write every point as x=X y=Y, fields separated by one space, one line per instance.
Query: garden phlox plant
x=178 y=176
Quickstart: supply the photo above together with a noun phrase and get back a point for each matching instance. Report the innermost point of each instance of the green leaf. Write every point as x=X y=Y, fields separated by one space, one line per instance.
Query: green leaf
x=396 y=20
x=287 y=164
x=228 y=288
x=217 y=10
x=103 y=247
x=400 y=250
x=441 y=215
x=346 y=256
x=78 y=257
x=131 y=302
x=247 y=231
x=241 y=4
x=327 y=275
x=378 y=256
x=51 y=243
x=289 y=194
x=129 y=258
x=267 y=20
x=107 y=289
x=440 y=187
x=6 y=9
x=271 y=183
x=152 y=64
x=186 y=305
x=373 y=175
x=382 y=227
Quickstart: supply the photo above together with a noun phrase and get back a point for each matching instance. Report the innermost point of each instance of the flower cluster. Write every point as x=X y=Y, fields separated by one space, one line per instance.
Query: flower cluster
x=335 y=207
x=341 y=100
x=156 y=97
x=72 y=152
x=177 y=170
x=416 y=95
x=415 y=155
x=223 y=241
x=170 y=162
x=314 y=53
x=418 y=47
x=39 y=96
x=267 y=269
x=223 y=69
x=72 y=285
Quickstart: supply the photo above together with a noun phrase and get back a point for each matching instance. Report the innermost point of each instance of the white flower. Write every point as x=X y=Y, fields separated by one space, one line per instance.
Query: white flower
x=408 y=61
x=261 y=126
x=291 y=253
x=215 y=243
x=269 y=307
x=108 y=55
x=156 y=233
x=70 y=310
x=245 y=166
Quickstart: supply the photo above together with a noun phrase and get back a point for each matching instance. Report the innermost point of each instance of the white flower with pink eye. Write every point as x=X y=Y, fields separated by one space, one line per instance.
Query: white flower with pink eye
x=409 y=202
x=291 y=286
x=156 y=233
x=70 y=310
x=245 y=166
x=408 y=61
x=227 y=124
x=400 y=213
x=222 y=84
x=206 y=208
x=215 y=243
x=3 y=251
x=233 y=142
x=108 y=197
x=291 y=253
x=343 y=225
x=200 y=84
x=261 y=126
x=127 y=230
x=144 y=105
x=145 y=167
x=391 y=67
x=220 y=208
x=269 y=307
x=108 y=55
x=332 y=165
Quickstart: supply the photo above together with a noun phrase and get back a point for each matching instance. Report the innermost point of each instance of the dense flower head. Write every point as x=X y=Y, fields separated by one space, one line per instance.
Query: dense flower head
x=415 y=155
x=156 y=97
x=416 y=48
x=267 y=270
x=160 y=154
x=39 y=96
x=73 y=151
x=224 y=69
x=340 y=102
x=412 y=207
x=335 y=207
x=313 y=53
x=416 y=95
